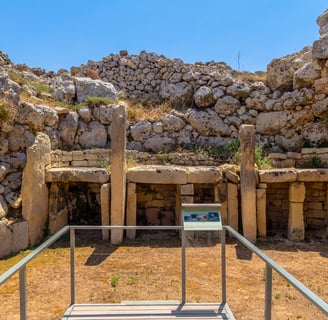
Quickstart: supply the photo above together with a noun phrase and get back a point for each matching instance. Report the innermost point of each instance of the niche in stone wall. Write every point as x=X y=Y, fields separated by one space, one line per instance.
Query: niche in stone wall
x=204 y=193
x=277 y=212
x=84 y=203
x=315 y=210
x=156 y=204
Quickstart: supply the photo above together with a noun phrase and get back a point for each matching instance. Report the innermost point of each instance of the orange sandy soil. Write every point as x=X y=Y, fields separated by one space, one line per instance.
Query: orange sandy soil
x=150 y=269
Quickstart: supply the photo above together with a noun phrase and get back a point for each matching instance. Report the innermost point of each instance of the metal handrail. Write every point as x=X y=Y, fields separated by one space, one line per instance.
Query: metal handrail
x=270 y=264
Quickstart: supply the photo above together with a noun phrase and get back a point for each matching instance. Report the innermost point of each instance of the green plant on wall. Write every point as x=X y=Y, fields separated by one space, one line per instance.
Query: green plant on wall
x=7 y=111
x=314 y=162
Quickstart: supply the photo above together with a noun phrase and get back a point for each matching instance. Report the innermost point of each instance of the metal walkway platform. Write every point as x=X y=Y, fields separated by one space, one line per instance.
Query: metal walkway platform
x=151 y=311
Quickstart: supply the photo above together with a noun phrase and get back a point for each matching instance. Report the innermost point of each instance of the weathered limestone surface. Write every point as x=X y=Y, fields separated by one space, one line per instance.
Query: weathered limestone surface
x=85 y=174
x=232 y=191
x=34 y=189
x=118 y=173
x=308 y=175
x=277 y=175
x=58 y=213
x=105 y=194
x=296 y=229
x=248 y=182
x=13 y=237
x=131 y=210
x=174 y=174
x=157 y=174
x=261 y=212
x=296 y=221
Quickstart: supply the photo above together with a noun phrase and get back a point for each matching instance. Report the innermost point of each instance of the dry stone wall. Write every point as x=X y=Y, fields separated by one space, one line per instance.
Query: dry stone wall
x=211 y=102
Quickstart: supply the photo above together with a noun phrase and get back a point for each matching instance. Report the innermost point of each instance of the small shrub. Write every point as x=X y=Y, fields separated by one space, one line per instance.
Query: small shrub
x=261 y=160
x=314 y=162
x=98 y=101
x=17 y=77
x=7 y=111
x=40 y=88
x=114 y=281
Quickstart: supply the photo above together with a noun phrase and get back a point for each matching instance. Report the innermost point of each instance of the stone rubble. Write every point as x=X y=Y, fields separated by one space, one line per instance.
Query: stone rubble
x=211 y=102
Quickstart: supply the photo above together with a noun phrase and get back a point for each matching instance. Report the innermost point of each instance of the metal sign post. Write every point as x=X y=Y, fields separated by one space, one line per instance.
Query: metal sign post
x=201 y=217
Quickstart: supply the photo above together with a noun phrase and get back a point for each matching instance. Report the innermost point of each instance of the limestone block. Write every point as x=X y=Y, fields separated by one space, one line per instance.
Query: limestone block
x=296 y=228
x=204 y=175
x=232 y=176
x=312 y=175
x=131 y=210
x=85 y=174
x=79 y=163
x=277 y=175
x=5 y=239
x=294 y=155
x=261 y=212
x=280 y=156
x=271 y=122
x=232 y=191
x=157 y=174
x=320 y=48
x=34 y=188
x=308 y=151
x=19 y=232
x=248 y=181
x=96 y=88
x=105 y=208
x=187 y=199
x=118 y=173
x=3 y=207
x=58 y=212
x=321 y=86
x=297 y=192
x=187 y=189
x=77 y=155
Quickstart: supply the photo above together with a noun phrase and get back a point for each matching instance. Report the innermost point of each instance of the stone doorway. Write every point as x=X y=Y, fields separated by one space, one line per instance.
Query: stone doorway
x=84 y=204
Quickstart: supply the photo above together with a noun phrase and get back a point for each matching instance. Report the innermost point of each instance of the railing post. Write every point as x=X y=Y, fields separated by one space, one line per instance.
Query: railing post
x=22 y=293
x=72 y=263
x=268 y=291
x=183 y=266
x=223 y=266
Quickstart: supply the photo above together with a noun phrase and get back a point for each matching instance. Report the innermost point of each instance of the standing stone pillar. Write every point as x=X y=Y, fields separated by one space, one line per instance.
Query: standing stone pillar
x=248 y=181
x=296 y=228
x=232 y=190
x=118 y=173
x=261 y=211
x=131 y=210
x=58 y=212
x=220 y=196
x=34 y=189
x=105 y=208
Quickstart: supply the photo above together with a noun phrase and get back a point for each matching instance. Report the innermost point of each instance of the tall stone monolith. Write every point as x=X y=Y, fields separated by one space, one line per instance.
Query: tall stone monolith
x=118 y=172
x=34 y=188
x=248 y=182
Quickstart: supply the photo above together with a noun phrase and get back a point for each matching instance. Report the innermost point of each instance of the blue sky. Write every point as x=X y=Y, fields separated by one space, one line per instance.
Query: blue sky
x=55 y=34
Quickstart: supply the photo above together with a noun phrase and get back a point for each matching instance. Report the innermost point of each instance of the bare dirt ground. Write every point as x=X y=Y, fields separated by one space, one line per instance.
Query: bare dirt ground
x=150 y=269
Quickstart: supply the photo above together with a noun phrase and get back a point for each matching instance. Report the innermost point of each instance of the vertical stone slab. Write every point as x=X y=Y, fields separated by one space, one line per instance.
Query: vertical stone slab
x=58 y=212
x=232 y=190
x=220 y=196
x=296 y=228
x=118 y=173
x=105 y=208
x=248 y=182
x=261 y=212
x=131 y=210
x=34 y=189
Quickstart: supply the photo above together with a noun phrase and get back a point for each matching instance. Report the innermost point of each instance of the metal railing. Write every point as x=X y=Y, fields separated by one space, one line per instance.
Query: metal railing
x=270 y=264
